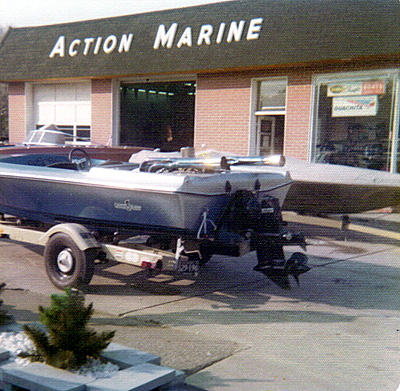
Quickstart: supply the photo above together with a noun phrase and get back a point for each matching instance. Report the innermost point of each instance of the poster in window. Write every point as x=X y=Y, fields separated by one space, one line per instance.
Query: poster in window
x=355 y=88
x=355 y=106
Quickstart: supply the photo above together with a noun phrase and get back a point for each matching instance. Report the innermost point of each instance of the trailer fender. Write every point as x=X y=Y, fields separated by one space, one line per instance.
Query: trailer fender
x=81 y=236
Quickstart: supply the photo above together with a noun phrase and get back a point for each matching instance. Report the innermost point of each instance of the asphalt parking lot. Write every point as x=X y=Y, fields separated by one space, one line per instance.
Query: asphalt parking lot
x=232 y=329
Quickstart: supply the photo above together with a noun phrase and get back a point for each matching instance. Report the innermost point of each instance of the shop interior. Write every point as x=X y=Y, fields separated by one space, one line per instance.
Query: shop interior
x=158 y=115
x=360 y=140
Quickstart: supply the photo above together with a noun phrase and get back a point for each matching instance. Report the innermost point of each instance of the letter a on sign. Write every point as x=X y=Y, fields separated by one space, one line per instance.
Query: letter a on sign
x=59 y=47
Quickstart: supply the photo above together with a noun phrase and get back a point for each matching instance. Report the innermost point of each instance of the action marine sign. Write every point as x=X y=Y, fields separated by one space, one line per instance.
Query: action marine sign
x=165 y=36
x=232 y=35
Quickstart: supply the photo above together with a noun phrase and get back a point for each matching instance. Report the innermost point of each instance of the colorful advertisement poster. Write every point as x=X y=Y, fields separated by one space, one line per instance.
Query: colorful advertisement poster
x=355 y=88
x=355 y=106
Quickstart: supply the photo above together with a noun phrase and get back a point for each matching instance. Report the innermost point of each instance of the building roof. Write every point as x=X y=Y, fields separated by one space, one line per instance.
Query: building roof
x=245 y=34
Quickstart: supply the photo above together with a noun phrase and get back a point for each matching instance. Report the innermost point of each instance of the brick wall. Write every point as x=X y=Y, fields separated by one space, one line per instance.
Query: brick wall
x=223 y=112
x=102 y=111
x=222 y=118
x=298 y=115
x=16 y=112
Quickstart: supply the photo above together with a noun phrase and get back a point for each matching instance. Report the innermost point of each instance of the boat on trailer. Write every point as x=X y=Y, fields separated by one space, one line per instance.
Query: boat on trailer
x=317 y=188
x=49 y=139
x=189 y=208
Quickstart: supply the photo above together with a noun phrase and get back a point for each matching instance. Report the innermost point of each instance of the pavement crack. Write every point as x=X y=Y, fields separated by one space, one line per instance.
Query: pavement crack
x=247 y=284
x=347 y=259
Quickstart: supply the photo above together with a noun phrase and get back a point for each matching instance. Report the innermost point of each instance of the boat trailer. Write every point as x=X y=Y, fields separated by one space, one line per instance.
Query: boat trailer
x=71 y=250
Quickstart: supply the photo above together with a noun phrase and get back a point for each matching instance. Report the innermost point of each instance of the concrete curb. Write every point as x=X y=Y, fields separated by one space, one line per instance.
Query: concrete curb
x=139 y=371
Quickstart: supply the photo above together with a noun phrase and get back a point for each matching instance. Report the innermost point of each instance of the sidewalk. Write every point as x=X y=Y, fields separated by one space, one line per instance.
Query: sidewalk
x=178 y=349
x=232 y=329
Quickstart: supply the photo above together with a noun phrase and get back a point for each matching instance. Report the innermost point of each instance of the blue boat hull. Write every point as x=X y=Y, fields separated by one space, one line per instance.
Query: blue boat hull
x=54 y=202
x=122 y=198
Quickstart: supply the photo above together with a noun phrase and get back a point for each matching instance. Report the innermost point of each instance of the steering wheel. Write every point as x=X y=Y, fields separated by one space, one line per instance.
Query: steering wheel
x=88 y=160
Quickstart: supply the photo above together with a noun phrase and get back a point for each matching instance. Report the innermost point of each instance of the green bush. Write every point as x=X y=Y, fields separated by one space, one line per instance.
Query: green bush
x=4 y=317
x=68 y=343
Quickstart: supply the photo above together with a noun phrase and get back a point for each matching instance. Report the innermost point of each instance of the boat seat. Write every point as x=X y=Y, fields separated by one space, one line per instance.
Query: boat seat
x=65 y=165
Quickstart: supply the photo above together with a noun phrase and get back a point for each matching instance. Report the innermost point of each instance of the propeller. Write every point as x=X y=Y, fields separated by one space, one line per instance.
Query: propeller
x=279 y=272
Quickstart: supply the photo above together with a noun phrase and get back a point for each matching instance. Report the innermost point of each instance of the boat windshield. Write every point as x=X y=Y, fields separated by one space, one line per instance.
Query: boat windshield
x=45 y=136
x=62 y=161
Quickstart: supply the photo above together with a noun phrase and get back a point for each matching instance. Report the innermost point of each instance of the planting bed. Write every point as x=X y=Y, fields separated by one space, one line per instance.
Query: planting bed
x=137 y=371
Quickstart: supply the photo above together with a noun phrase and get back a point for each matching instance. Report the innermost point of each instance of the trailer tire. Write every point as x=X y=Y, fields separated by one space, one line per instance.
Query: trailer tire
x=67 y=265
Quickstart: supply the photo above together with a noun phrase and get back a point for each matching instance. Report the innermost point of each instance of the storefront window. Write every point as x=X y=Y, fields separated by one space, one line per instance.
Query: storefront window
x=272 y=95
x=355 y=121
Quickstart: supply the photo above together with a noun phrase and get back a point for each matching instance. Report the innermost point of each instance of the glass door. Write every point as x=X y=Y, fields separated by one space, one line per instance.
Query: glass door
x=266 y=135
x=268 y=126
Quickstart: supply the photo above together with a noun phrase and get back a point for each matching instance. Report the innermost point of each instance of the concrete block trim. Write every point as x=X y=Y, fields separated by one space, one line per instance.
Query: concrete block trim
x=144 y=377
x=38 y=376
x=140 y=371
x=4 y=354
x=126 y=357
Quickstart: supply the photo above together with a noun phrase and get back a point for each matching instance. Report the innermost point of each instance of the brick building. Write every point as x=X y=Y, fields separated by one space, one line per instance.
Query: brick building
x=315 y=80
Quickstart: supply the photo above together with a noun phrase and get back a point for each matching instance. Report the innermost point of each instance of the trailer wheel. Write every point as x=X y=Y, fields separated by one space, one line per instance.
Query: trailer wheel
x=66 y=264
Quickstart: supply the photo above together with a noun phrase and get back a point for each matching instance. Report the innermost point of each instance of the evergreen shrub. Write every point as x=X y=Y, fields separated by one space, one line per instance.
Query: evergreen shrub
x=68 y=342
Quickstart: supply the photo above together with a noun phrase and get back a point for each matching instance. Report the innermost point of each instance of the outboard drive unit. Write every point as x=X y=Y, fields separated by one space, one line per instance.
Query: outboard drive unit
x=249 y=224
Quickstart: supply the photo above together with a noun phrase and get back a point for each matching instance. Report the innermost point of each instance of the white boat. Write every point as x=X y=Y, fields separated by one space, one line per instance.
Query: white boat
x=117 y=195
x=317 y=188
x=211 y=210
